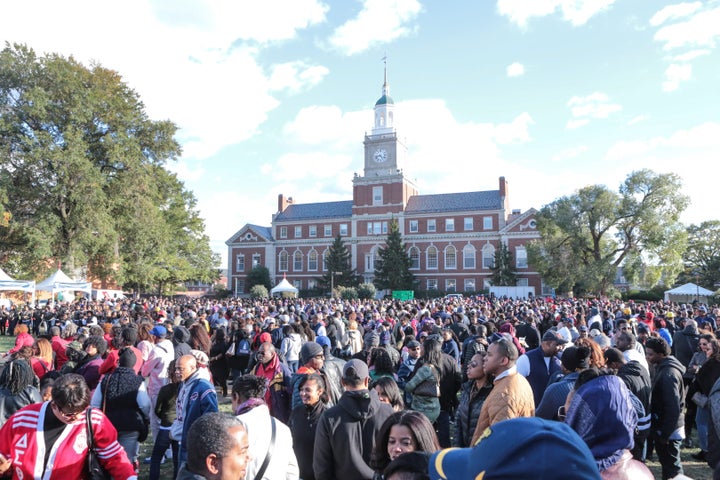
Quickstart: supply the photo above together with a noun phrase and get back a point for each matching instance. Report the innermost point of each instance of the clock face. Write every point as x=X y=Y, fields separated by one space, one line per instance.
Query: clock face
x=380 y=155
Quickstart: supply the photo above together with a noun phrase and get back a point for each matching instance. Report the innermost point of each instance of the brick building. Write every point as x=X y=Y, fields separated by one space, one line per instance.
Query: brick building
x=451 y=237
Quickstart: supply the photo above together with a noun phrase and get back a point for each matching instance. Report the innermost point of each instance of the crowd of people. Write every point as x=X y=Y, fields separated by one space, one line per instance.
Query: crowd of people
x=362 y=389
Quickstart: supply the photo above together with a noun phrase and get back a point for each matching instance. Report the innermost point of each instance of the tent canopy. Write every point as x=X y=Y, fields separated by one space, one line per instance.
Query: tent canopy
x=687 y=293
x=58 y=281
x=283 y=286
x=7 y=283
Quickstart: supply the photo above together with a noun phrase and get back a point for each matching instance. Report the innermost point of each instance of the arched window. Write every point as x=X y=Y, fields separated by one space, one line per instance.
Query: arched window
x=488 y=256
x=313 y=261
x=325 y=259
x=468 y=257
x=414 y=254
x=283 y=261
x=297 y=261
x=450 y=257
x=431 y=255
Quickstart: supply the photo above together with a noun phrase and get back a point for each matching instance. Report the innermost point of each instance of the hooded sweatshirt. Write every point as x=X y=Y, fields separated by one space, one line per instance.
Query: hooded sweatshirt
x=668 y=399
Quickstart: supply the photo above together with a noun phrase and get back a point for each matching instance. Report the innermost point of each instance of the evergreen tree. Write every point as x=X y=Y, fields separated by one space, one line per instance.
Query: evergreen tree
x=503 y=271
x=339 y=272
x=259 y=275
x=392 y=270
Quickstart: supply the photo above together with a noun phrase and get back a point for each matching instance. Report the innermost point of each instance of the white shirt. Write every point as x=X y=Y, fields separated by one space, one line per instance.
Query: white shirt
x=283 y=463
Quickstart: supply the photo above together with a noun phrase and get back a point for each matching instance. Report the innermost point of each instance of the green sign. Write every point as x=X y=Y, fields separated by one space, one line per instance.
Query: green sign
x=403 y=294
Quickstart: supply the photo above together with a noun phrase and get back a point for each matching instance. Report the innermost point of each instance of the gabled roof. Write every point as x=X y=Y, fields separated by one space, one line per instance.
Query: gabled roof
x=309 y=211
x=265 y=232
x=448 y=202
x=520 y=220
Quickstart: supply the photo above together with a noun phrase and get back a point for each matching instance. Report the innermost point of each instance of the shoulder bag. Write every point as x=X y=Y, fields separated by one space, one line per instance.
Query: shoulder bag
x=429 y=387
x=97 y=471
x=268 y=456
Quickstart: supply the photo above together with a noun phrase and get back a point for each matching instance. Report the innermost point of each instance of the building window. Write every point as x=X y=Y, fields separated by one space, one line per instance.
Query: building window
x=431 y=225
x=283 y=232
x=325 y=259
x=327 y=230
x=283 y=262
x=312 y=284
x=344 y=229
x=377 y=228
x=468 y=224
x=297 y=261
x=377 y=195
x=432 y=258
x=522 y=282
x=312 y=261
x=469 y=284
x=239 y=286
x=414 y=258
x=256 y=260
x=521 y=257
x=468 y=257
x=487 y=223
x=298 y=232
x=297 y=284
x=432 y=284
x=450 y=285
x=312 y=231
x=449 y=224
x=240 y=263
x=413 y=226
x=488 y=256
x=450 y=257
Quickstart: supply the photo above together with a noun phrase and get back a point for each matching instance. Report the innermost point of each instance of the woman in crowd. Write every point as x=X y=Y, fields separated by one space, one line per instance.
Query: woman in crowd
x=600 y=410
x=450 y=344
x=472 y=398
x=59 y=426
x=218 y=362
x=290 y=346
x=248 y=405
x=199 y=338
x=145 y=343
x=42 y=360
x=381 y=365
x=704 y=380
x=425 y=398
x=22 y=338
x=165 y=410
x=389 y=392
x=17 y=389
x=94 y=347
x=304 y=419
x=355 y=341
x=403 y=432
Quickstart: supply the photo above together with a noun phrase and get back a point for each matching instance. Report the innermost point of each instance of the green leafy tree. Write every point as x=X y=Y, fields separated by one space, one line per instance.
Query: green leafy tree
x=259 y=275
x=259 y=291
x=392 y=269
x=83 y=177
x=366 y=291
x=586 y=236
x=337 y=260
x=503 y=270
x=702 y=257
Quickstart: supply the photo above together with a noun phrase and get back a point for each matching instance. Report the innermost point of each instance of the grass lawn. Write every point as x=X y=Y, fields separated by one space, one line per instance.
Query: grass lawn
x=693 y=468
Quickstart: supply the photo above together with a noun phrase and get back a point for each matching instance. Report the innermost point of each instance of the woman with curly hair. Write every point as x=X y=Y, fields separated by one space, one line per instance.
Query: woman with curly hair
x=403 y=432
x=22 y=339
x=381 y=365
x=17 y=388
x=597 y=358
x=427 y=400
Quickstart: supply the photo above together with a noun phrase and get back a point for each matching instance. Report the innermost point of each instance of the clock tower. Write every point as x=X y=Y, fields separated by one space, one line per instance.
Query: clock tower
x=384 y=152
x=383 y=188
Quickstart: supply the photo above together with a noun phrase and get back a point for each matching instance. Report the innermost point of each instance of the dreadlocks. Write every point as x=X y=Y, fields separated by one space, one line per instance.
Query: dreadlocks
x=17 y=375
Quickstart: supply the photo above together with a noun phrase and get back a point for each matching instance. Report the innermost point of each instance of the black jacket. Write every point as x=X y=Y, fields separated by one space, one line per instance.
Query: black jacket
x=345 y=436
x=637 y=379
x=468 y=412
x=668 y=398
x=303 y=425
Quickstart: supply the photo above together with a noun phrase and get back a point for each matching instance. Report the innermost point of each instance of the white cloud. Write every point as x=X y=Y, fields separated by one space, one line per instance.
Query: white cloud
x=638 y=119
x=515 y=69
x=570 y=153
x=296 y=76
x=672 y=12
x=577 y=12
x=515 y=131
x=675 y=74
x=595 y=105
x=691 y=55
x=379 y=22
x=702 y=29
x=305 y=127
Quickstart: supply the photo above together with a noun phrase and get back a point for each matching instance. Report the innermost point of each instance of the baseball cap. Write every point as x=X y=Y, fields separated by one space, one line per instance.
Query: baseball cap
x=355 y=368
x=519 y=448
x=551 y=336
x=158 y=331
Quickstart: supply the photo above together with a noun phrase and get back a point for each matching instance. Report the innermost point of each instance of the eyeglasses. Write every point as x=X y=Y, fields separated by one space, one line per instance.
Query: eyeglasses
x=319 y=356
x=67 y=415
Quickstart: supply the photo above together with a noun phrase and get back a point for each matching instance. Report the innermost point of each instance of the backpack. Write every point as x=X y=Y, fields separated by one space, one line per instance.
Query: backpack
x=243 y=348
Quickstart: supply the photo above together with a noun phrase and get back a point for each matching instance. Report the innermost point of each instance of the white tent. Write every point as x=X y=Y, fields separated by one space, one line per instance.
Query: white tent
x=283 y=286
x=7 y=283
x=58 y=282
x=688 y=293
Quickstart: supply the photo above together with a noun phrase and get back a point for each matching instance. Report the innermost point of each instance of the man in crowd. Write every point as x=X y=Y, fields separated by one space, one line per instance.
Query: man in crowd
x=541 y=364
x=278 y=376
x=196 y=397
x=156 y=369
x=666 y=406
x=346 y=433
x=511 y=395
x=218 y=449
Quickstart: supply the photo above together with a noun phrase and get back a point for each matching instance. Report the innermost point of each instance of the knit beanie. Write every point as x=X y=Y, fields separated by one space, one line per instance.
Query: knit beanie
x=309 y=350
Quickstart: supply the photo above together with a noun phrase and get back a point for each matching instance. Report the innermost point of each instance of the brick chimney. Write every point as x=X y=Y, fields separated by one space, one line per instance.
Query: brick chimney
x=283 y=202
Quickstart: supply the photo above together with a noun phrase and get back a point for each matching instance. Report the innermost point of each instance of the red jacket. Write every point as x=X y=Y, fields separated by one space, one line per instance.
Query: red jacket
x=22 y=442
x=59 y=346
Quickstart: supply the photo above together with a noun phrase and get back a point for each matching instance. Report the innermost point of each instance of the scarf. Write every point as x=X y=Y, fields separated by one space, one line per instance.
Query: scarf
x=248 y=405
